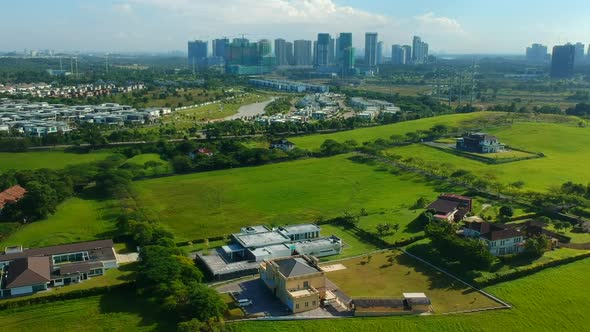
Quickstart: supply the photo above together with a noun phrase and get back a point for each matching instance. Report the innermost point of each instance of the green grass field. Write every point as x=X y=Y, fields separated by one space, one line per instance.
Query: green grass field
x=76 y=220
x=46 y=159
x=561 y=163
x=551 y=300
x=112 y=312
x=393 y=273
x=218 y=203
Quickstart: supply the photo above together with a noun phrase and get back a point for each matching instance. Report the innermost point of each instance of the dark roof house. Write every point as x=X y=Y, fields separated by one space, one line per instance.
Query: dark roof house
x=28 y=271
x=451 y=207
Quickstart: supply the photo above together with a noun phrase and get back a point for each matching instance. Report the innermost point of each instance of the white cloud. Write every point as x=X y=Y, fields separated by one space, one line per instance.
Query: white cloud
x=429 y=21
x=123 y=8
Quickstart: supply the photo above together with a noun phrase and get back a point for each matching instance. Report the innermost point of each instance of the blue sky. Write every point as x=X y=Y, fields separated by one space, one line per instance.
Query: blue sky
x=451 y=26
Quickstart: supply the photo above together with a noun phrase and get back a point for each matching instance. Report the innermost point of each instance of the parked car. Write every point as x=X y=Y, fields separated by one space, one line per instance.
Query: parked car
x=244 y=302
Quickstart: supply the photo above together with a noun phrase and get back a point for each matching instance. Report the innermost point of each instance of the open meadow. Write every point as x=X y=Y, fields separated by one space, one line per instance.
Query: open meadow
x=219 y=203
x=562 y=162
x=76 y=220
x=46 y=159
x=393 y=273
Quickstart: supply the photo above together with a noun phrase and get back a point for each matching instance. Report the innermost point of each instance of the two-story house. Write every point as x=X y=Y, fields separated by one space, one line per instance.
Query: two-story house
x=500 y=239
x=479 y=143
x=297 y=281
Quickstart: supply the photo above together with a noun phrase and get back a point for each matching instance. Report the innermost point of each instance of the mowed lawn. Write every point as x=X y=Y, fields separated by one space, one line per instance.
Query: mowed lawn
x=219 y=203
x=111 y=312
x=46 y=159
x=564 y=146
x=76 y=220
x=555 y=299
x=392 y=273
x=313 y=142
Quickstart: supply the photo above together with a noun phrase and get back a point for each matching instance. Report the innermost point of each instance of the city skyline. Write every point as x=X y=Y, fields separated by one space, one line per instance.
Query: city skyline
x=161 y=26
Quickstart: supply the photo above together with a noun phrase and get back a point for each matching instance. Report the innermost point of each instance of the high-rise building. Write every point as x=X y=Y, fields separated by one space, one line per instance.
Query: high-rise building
x=264 y=47
x=420 y=50
x=197 y=52
x=281 y=52
x=322 y=54
x=398 y=55
x=407 y=54
x=289 y=53
x=332 y=52
x=302 y=52
x=242 y=52
x=537 y=53
x=579 y=57
x=371 y=48
x=337 y=54
x=380 y=48
x=221 y=48
x=562 y=61
x=348 y=59
x=345 y=42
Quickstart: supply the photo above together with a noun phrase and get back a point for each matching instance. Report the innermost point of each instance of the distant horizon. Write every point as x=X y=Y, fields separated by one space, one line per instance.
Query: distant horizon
x=460 y=27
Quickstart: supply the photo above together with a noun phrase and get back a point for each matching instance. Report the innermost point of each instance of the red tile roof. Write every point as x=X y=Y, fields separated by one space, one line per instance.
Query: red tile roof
x=12 y=195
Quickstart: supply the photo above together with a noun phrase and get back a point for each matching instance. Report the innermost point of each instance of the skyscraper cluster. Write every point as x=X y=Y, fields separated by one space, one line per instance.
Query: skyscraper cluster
x=327 y=54
x=563 y=58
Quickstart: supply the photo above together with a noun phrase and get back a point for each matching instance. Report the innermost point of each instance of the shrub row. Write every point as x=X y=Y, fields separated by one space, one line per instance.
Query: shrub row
x=520 y=272
x=211 y=239
x=129 y=286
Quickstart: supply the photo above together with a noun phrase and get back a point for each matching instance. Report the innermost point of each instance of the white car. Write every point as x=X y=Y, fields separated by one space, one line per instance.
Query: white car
x=244 y=303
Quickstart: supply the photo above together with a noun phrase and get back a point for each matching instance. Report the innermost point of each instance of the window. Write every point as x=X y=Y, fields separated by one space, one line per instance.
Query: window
x=306 y=304
x=306 y=284
x=313 y=303
x=297 y=306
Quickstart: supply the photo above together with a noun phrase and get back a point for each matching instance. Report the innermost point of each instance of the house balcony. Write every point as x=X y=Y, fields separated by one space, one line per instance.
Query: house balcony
x=303 y=293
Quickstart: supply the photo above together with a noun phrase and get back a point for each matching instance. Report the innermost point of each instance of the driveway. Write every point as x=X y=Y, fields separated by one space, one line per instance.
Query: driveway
x=264 y=303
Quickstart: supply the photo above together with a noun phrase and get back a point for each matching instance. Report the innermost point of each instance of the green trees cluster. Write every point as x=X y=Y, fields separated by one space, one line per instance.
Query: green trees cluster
x=536 y=246
x=472 y=253
x=279 y=106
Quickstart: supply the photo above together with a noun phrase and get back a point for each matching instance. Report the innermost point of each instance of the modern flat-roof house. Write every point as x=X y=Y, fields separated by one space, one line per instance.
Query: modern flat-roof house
x=297 y=281
x=479 y=143
x=31 y=270
x=256 y=244
x=11 y=196
x=451 y=207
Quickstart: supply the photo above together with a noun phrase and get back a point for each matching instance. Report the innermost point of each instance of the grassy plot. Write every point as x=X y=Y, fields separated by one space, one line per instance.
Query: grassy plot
x=76 y=220
x=213 y=111
x=392 y=273
x=111 y=312
x=560 y=164
x=218 y=203
x=152 y=164
x=46 y=159
x=551 y=300
x=313 y=142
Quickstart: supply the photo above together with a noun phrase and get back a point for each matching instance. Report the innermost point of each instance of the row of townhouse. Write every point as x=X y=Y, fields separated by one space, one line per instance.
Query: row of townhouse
x=42 y=90
x=370 y=109
x=40 y=119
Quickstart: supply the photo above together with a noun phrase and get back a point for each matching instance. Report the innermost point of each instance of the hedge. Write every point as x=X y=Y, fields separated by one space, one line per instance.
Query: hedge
x=520 y=272
x=67 y=296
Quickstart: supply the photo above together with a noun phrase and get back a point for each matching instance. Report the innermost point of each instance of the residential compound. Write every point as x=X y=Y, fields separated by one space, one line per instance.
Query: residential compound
x=506 y=239
x=11 y=196
x=297 y=281
x=40 y=118
x=253 y=245
x=480 y=143
x=289 y=86
x=317 y=106
x=370 y=109
x=451 y=207
x=44 y=90
x=25 y=271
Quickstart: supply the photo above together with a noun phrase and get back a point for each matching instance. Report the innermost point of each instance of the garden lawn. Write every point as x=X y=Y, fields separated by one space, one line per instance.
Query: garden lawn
x=555 y=299
x=313 y=142
x=564 y=146
x=219 y=203
x=392 y=273
x=76 y=220
x=46 y=159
